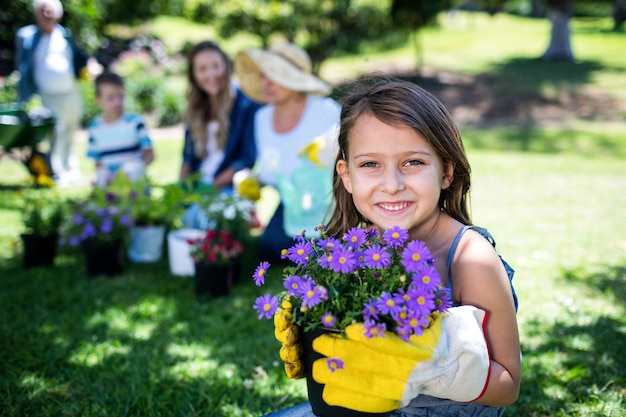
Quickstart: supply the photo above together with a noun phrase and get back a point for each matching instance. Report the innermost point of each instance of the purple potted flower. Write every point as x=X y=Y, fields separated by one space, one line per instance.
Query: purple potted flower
x=379 y=279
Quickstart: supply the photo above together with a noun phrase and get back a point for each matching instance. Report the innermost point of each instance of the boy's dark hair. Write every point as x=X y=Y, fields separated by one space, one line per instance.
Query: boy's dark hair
x=108 y=77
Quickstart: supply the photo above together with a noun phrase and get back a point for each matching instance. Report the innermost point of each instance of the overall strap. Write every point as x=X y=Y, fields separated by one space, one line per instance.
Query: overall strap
x=451 y=252
x=484 y=233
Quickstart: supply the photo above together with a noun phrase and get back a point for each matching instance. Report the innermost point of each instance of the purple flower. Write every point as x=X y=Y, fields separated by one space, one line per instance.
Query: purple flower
x=370 y=312
x=300 y=252
x=310 y=294
x=443 y=299
x=421 y=300
x=343 y=260
x=107 y=225
x=259 y=273
x=88 y=231
x=325 y=261
x=293 y=285
x=372 y=233
x=414 y=255
x=373 y=329
x=376 y=257
x=334 y=364
x=133 y=194
x=354 y=237
x=389 y=303
x=111 y=197
x=125 y=219
x=395 y=236
x=266 y=305
x=418 y=323
x=74 y=241
x=328 y=320
x=427 y=276
x=404 y=330
x=329 y=243
x=78 y=218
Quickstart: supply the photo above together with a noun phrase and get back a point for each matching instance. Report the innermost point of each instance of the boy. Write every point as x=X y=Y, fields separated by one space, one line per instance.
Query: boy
x=117 y=140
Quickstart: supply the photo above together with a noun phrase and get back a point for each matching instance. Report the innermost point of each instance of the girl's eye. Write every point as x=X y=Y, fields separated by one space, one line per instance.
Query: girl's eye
x=414 y=162
x=368 y=164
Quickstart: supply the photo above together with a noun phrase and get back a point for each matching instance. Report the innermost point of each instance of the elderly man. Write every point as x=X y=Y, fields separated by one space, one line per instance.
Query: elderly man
x=50 y=63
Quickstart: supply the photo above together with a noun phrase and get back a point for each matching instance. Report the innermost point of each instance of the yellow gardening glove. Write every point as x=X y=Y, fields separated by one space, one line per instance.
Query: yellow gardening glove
x=288 y=334
x=381 y=374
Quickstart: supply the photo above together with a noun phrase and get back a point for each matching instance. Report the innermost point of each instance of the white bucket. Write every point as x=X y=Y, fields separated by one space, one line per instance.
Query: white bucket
x=180 y=260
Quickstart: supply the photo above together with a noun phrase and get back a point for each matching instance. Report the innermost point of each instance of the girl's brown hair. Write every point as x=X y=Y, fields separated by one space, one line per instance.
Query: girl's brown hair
x=198 y=112
x=397 y=102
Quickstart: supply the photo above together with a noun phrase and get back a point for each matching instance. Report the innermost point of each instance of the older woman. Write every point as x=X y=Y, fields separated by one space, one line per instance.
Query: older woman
x=296 y=121
x=50 y=64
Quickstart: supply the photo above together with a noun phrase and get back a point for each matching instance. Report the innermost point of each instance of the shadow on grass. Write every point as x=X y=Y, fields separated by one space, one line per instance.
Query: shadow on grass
x=136 y=344
x=578 y=362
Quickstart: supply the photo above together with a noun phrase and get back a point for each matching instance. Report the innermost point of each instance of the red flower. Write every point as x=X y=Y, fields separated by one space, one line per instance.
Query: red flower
x=216 y=247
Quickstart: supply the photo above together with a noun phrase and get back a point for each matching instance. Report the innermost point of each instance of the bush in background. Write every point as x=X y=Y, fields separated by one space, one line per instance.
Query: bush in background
x=169 y=111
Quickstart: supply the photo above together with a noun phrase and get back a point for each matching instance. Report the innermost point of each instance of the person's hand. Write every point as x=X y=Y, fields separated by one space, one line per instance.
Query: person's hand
x=224 y=178
x=148 y=156
x=449 y=360
x=288 y=334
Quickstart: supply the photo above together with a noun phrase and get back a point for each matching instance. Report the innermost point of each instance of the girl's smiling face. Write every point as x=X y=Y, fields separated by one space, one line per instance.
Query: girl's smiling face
x=394 y=175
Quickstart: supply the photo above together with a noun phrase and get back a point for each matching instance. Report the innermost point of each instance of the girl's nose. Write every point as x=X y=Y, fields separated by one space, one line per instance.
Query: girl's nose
x=392 y=181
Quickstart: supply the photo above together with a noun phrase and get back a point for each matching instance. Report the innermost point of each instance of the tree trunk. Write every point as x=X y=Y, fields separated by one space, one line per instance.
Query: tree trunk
x=560 y=47
x=619 y=15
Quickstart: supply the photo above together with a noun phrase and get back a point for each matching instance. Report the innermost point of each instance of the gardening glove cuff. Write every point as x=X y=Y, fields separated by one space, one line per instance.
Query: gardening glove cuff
x=288 y=334
x=462 y=362
x=383 y=373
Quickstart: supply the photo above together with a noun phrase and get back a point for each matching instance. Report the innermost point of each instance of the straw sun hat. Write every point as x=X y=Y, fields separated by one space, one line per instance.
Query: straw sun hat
x=285 y=64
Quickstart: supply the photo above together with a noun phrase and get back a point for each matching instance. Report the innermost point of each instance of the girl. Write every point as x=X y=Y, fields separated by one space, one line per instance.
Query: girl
x=219 y=137
x=401 y=162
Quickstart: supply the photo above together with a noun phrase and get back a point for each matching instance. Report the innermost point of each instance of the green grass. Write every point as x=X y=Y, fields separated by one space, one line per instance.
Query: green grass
x=553 y=196
x=141 y=344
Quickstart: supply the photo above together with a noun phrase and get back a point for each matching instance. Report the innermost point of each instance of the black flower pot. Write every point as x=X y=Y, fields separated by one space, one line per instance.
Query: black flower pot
x=104 y=258
x=237 y=269
x=39 y=250
x=214 y=280
x=315 y=389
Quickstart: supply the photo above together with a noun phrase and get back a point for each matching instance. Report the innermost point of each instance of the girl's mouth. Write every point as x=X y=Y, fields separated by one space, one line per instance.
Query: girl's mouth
x=394 y=206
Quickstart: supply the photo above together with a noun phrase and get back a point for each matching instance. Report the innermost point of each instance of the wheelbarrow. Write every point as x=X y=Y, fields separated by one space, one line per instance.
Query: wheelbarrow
x=21 y=132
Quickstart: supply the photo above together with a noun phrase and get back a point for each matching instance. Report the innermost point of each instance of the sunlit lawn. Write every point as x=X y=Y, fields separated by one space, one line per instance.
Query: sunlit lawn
x=142 y=344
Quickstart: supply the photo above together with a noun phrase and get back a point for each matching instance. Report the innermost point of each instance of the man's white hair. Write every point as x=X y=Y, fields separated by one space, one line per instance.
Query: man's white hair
x=55 y=5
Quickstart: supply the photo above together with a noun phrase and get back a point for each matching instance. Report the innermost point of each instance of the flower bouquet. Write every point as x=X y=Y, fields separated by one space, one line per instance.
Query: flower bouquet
x=214 y=257
x=379 y=279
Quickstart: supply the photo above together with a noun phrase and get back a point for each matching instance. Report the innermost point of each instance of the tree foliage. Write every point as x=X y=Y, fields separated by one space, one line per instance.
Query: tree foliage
x=322 y=27
x=415 y=14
